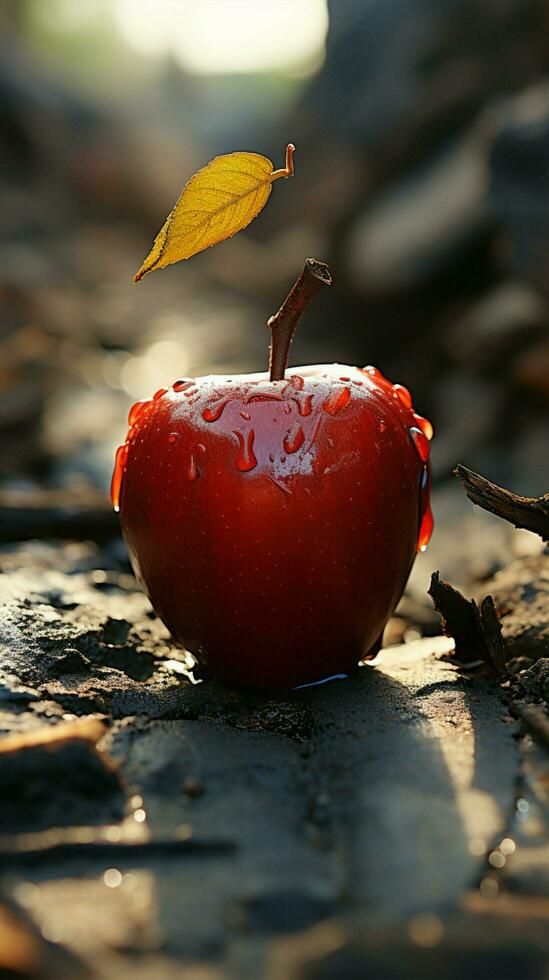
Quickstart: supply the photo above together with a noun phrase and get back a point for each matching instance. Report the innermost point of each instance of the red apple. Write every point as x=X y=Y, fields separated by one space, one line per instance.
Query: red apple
x=274 y=523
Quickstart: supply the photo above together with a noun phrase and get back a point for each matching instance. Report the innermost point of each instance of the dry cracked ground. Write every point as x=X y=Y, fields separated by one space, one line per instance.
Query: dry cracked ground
x=389 y=825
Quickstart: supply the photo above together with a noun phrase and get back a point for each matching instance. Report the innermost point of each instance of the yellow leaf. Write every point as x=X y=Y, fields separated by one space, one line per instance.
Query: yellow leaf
x=218 y=201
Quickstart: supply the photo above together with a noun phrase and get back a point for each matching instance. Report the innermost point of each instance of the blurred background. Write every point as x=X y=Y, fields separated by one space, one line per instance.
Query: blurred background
x=422 y=178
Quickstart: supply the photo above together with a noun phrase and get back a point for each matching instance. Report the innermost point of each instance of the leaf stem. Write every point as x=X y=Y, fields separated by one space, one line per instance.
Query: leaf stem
x=313 y=277
x=288 y=169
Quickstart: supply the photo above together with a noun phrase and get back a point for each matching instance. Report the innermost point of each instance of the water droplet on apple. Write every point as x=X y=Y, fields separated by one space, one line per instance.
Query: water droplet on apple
x=158 y=394
x=420 y=442
x=215 y=411
x=338 y=399
x=304 y=407
x=245 y=415
x=137 y=410
x=173 y=436
x=192 y=470
x=182 y=383
x=118 y=474
x=201 y=447
x=403 y=395
x=424 y=425
x=382 y=425
x=294 y=439
x=426 y=530
x=246 y=459
x=263 y=391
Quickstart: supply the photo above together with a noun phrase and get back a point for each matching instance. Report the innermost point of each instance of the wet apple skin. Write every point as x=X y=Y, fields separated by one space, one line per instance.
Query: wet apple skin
x=273 y=565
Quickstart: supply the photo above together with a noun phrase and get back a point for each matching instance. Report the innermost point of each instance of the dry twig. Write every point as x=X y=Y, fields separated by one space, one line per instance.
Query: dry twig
x=476 y=631
x=530 y=513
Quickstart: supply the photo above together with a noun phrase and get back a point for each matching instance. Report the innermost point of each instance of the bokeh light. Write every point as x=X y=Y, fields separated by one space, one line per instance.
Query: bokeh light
x=216 y=37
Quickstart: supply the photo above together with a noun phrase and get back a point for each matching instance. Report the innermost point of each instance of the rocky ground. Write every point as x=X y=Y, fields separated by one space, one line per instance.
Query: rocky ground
x=393 y=824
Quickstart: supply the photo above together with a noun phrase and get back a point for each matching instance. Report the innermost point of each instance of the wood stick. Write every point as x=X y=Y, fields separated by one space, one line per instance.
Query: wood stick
x=530 y=513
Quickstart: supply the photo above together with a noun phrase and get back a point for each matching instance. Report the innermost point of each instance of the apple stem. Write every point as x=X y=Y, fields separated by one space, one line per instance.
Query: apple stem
x=313 y=277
